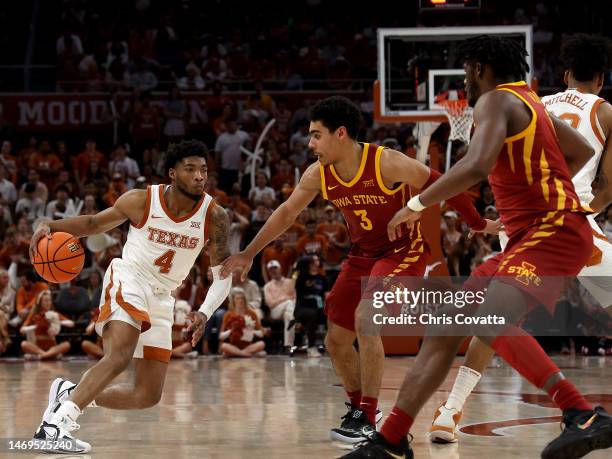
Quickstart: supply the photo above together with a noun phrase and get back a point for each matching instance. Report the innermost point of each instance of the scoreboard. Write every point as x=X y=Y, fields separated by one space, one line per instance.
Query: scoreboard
x=449 y=4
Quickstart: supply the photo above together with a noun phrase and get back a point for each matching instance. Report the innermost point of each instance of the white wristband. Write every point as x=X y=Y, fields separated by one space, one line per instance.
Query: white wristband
x=415 y=204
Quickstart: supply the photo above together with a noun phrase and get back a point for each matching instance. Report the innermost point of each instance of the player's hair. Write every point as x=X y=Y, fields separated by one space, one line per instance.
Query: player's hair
x=176 y=152
x=337 y=111
x=505 y=56
x=586 y=56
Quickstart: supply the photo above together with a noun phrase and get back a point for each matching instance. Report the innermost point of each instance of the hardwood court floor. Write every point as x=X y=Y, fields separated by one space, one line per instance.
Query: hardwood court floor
x=276 y=407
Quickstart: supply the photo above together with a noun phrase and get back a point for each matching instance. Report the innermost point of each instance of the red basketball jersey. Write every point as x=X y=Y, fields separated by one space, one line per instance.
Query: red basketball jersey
x=530 y=179
x=368 y=205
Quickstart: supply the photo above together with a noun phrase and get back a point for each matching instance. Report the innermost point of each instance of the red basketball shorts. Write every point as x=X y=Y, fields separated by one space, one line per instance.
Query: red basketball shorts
x=348 y=290
x=540 y=260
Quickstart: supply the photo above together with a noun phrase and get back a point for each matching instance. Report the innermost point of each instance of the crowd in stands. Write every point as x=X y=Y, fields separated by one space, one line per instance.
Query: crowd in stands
x=147 y=45
x=287 y=287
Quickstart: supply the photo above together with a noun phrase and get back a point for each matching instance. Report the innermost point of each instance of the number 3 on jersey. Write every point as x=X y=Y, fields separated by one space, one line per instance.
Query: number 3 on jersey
x=165 y=262
x=365 y=222
x=571 y=118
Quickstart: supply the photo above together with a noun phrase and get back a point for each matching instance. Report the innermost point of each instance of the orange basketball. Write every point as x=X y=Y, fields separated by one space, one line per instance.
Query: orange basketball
x=60 y=258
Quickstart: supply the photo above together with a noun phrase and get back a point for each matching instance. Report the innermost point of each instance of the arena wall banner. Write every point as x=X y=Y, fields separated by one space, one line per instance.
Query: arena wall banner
x=48 y=112
x=74 y=111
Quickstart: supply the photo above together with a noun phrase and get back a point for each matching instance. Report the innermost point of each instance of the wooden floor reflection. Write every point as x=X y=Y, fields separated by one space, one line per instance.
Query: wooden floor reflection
x=276 y=407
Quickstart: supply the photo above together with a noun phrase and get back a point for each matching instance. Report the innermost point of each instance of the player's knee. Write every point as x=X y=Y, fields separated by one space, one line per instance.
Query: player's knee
x=149 y=398
x=334 y=343
x=118 y=361
x=363 y=321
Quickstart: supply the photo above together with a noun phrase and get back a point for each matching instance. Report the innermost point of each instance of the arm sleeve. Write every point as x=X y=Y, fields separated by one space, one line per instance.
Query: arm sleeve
x=217 y=293
x=461 y=203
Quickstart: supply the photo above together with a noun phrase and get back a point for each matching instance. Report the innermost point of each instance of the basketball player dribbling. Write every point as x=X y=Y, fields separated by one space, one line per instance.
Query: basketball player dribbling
x=170 y=226
x=368 y=184
x=520 y=148
x=587 y=59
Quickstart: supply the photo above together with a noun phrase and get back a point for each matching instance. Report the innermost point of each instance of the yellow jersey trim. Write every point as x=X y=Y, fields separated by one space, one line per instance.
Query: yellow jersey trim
x=379 y=178
x=514 y=83
x=364 y=158
x=534 y=117
x=528 y=133
x=545 y=176
x=323 y=190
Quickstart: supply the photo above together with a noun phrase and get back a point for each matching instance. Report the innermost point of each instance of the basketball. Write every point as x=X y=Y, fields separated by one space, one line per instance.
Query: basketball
x=59 y=258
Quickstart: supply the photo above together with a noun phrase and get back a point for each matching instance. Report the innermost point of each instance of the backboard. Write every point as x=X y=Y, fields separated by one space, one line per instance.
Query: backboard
x=416 y=64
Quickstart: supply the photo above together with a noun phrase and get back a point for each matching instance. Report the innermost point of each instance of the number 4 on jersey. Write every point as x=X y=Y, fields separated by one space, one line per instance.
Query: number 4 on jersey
x=165 y=262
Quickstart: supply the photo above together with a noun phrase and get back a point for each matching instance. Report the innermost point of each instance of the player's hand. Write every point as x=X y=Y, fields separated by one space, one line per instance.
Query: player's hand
x=492 y=227
x=198 y=322
x=239 y=262
x=42 y=230
x=405 y=215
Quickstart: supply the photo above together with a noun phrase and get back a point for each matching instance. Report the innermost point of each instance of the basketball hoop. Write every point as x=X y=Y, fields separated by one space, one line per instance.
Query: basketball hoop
x=460 y=118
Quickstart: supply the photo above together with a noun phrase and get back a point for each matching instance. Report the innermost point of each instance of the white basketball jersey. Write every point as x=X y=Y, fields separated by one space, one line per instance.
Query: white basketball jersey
x=580 y=111
x=162 y=247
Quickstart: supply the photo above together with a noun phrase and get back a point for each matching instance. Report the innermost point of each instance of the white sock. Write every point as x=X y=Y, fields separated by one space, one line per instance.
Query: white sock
x=463 y=387
x=67 y=409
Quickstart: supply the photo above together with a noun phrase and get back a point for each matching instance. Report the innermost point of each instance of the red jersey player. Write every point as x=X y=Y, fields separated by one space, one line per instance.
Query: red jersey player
x=368 y=184
x=522 y=151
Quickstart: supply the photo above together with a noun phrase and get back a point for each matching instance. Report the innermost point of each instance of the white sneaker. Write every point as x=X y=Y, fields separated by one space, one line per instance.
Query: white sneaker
x=56 y=438
x=444 y=426
x=313 y=352
x=58 y=392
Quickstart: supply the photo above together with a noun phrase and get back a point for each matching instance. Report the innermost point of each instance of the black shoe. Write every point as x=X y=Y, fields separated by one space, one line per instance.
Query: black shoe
x=584 y=432
x=354 y=427
x=377 y=447
x=51 y=438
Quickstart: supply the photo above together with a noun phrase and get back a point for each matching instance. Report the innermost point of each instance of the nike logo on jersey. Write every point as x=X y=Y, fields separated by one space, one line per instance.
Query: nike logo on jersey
x=332 y=187
x=399 y=250
x=195 y=225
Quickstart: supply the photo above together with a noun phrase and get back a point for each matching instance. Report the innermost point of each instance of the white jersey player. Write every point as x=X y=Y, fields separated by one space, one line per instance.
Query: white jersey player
x=587 y=58
x=169 y=226
x=591 y=115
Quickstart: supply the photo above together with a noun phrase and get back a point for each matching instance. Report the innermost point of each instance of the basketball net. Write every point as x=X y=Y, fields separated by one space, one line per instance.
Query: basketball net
x=460 y=118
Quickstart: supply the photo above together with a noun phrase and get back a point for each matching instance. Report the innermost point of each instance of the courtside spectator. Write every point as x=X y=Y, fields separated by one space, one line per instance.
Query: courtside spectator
x=279 y=294
x=41 y=327
x=311 y=289
x=240 y=328
x=252 y=293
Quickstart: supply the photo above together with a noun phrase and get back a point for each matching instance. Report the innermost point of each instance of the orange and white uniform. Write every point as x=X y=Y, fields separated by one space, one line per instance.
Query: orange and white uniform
x=580 y=111
x=157 y=257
